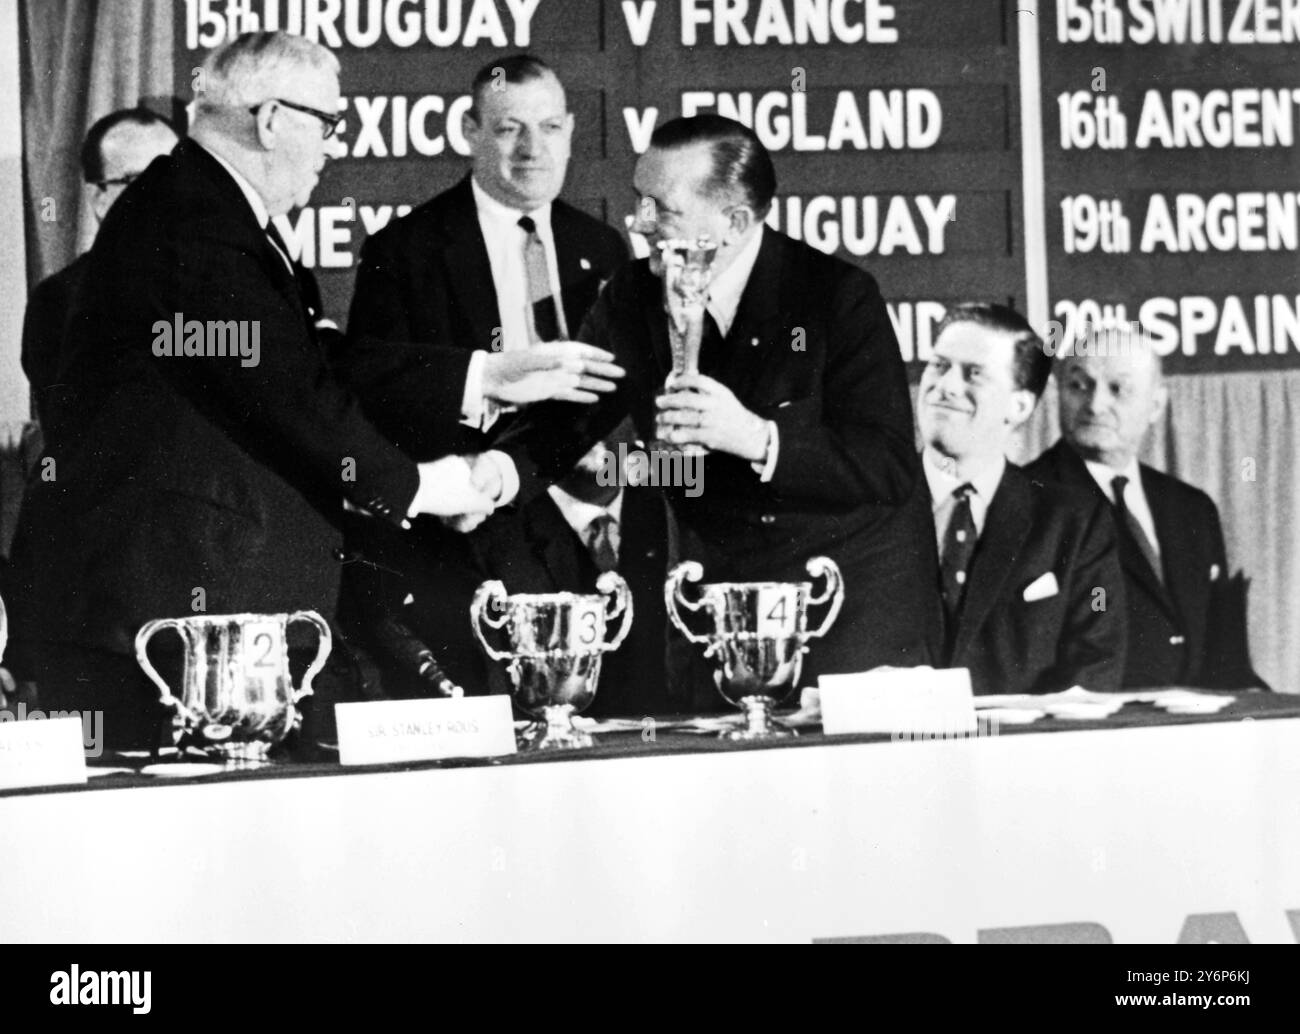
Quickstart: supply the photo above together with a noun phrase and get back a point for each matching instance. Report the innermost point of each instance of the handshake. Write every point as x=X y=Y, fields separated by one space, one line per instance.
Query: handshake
x=462 y=491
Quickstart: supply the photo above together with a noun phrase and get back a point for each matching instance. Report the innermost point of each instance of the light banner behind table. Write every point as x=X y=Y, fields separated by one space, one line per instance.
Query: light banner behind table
x=895 y=128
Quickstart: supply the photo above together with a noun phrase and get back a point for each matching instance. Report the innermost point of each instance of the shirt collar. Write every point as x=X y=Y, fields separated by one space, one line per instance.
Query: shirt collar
x=1104 y=475
x=493 y=210
x=250 y=192
x=579 y=514
x=943 y=483
x=726 y=288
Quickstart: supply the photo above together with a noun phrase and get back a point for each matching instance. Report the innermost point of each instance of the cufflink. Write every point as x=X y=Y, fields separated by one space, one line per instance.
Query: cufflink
x=584 y=263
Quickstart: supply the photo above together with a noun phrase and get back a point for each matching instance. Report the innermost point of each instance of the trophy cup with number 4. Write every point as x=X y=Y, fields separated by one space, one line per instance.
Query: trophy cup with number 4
x=757 y=634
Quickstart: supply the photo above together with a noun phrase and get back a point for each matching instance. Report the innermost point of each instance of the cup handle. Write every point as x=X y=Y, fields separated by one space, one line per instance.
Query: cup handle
x=489 y=596
x=323 y=648
x=686 y=571
x=825 y=567
x=142 y=637
x=618 y=600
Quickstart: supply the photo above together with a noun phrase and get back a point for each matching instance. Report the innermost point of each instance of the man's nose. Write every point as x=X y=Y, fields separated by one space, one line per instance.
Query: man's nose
x=335 y=147
x=527 y=143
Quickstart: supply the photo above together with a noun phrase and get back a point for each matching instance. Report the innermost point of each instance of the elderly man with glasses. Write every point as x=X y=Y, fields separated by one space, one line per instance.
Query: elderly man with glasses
x=191 y=476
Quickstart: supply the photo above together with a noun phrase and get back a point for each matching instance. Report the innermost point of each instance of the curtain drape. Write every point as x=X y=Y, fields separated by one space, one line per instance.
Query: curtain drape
x=81 y=60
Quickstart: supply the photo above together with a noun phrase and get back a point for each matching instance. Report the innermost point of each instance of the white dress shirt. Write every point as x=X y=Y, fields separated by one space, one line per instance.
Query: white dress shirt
x=940 y=475
x=1135 y=499
x=579 y=514
x=505 y=240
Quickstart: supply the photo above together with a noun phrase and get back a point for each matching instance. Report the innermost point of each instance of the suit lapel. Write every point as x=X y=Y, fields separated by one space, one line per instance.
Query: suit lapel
x=757 y=333
x=1006 y=525
x=469 y=269
x=1072 y=470
x=573 y=264
x=556 y=546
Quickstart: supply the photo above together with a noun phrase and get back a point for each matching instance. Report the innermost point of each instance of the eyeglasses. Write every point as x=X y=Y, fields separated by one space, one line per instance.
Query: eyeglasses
x=330 y=124
x=124 y=180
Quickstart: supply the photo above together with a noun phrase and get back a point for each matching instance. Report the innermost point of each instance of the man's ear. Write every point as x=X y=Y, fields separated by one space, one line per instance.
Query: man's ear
x=99 y=203
x=741 y=219
x=469 y=127
x=1159 y=401
x=1023 y=403
x=264 y=125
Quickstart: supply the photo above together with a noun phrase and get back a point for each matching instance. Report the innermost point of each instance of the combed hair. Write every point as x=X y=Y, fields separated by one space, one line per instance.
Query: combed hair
x=516 y=68
x=92 y=150
x=1117 y=340
x=251 y=68
x=741 y=163
x=1031 y=365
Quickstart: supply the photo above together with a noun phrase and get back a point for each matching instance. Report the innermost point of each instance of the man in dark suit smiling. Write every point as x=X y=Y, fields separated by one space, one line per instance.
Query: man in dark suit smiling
x=454 y=319
x=1029 y=573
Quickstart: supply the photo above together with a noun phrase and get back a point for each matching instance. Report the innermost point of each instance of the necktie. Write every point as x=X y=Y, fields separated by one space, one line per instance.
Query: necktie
x=543 y=316
x=602 y=540
x=958 y=547
x=280 y=246
x=1129 y=525
x=712 y=347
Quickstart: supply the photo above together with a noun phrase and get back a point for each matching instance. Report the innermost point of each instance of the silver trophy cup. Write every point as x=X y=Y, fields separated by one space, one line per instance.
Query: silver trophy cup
x=556 y=642
x=237 y=697
x=757 y=634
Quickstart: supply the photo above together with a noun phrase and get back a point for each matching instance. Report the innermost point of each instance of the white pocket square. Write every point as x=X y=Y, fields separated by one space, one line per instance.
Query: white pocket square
x=1041 y=588
x=1214 y=572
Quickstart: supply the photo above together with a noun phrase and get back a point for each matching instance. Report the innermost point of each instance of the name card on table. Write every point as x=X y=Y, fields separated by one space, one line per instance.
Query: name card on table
x=898 y=700
x=41 y=752
x=386 y=731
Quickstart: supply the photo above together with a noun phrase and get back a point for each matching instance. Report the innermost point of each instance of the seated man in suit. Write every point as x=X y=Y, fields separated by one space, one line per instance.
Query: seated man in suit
x=1029 y=573
x=1186 y=617
x=801 y=406
x=561 y=541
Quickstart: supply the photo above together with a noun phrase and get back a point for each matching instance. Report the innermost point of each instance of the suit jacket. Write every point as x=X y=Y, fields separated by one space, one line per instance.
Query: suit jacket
x=812 y=349
x=1190 y=631
x=425 y=301
x=1032 y=619
x=47 y=324
x=190 y=482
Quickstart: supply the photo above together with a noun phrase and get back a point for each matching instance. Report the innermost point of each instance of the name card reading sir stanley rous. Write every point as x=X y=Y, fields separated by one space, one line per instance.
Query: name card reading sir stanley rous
x=388 y=731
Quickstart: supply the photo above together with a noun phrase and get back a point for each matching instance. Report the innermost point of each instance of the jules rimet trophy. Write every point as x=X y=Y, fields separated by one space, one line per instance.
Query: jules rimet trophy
x=555 y=645
x=237 y=697
x=756 y=633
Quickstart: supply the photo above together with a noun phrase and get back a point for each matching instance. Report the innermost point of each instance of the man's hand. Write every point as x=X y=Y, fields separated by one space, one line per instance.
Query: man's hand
x=485 y=478
x=698 y=410
x=447 y=489
x=566 y=370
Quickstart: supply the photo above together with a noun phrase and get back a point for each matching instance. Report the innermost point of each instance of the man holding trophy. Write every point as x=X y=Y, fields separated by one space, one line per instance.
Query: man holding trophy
x=798 y=398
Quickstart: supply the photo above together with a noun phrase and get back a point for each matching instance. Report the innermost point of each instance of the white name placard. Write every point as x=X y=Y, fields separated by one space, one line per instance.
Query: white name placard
x=41 y=752
x=898 y=700
x=385 y=731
